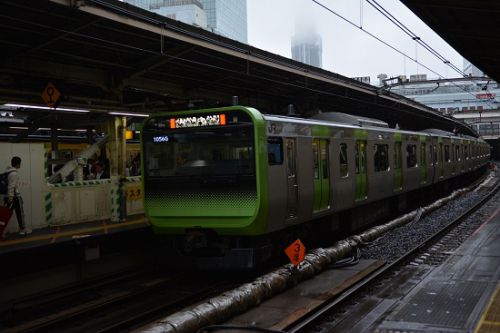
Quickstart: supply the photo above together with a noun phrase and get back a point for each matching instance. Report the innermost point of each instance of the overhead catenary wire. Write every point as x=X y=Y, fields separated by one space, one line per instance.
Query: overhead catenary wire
x=375 y=37
x=413 y=35
x=409 y=33
x=420 y=42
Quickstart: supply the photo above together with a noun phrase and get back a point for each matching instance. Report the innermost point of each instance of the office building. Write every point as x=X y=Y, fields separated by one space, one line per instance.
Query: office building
x=475 y=100
x=307 y=48
x=227 y=18
x=224 y=17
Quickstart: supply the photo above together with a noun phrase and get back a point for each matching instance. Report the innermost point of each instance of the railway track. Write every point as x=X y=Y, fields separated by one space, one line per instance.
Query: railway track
x=355 y=298
x=121 y=304
x=433 y=250
x=114 y=304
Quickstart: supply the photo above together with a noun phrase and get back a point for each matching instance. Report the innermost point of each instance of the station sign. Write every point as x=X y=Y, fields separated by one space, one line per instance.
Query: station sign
x=198 y=121
x=485 y=96
x=296 y=252
x=51 y=95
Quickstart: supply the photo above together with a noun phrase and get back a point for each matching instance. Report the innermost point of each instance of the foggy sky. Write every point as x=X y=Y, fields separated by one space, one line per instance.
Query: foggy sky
x=346 y=49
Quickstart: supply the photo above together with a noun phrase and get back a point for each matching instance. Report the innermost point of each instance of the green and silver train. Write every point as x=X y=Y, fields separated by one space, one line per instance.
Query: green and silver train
x=230 y=178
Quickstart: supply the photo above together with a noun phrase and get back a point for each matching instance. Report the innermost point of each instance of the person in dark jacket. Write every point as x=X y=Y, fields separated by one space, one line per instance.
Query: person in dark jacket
x=13 y=199
x=101 y=172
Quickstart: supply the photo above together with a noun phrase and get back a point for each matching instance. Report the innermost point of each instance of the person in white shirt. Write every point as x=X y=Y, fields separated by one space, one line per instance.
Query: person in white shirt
x=13 y=200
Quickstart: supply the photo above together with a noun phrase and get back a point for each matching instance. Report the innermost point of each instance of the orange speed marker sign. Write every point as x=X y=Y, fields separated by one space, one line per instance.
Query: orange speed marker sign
x=51 y=95
x=296 y=252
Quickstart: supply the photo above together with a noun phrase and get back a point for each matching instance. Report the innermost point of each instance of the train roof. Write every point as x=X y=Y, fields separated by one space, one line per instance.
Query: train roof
x=344 y=118
x=356 y=123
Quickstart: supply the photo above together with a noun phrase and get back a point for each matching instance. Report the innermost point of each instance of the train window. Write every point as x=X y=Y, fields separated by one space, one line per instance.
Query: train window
x=360 y=157
x=466 y=151
x=315 y=152
x=324 y=159
x=411 y=156
x=381 y=157
x=447 y=153
x=397 y=156
x=423 y=161
x=457 y=153
x=434 y=154
x=274 y=151
x=344 y=169
x=290 y=158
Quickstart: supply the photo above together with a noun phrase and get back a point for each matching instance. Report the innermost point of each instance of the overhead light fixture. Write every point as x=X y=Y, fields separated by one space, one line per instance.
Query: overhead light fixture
x=18 y=127
x=39 y=107
x=11 y=119
x=129 y=114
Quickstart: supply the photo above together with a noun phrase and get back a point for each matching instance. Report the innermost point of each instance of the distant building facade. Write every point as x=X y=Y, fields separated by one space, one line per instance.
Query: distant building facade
x=307 y=48
x=187 y=11
x=475 y=100
x=227 y=18
x=224 y=17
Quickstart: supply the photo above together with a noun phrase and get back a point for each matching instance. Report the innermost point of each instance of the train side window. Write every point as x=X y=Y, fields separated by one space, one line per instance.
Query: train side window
x=435 y=154
x=381 y=157
x=360 y=157
x=275 y=151
x=315 y=151
x=344 y=169
x=397 y=156
x=423 y=161
x=324 y=159
x=411 y=156
x=457 y=153
x=447 y=153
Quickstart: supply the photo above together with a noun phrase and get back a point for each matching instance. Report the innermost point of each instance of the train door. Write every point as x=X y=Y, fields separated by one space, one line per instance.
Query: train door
x=321 y=173
x=423 y=163
x=398 y=162
x=292 y=185
x=434 y=162
x=361 y=172
x=441 y=161
x=463 y=155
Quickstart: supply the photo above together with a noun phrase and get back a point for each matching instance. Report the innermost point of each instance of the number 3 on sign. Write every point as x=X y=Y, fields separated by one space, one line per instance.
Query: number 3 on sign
x=296 y=252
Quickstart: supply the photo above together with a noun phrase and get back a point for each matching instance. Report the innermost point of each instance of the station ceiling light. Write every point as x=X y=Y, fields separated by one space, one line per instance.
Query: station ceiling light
x=8 y=117
x=129 y=114
x=39 y=107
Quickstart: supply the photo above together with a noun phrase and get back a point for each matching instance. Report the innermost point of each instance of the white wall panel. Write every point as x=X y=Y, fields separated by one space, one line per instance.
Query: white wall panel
x=31 y=174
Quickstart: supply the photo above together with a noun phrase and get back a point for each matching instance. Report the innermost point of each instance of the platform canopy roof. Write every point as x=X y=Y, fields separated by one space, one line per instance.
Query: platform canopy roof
x=108 y=56
x=470 y=26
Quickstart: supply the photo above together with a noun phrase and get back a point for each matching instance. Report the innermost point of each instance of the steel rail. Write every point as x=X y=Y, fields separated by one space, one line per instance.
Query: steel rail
x=117 y=300
x=312 y=318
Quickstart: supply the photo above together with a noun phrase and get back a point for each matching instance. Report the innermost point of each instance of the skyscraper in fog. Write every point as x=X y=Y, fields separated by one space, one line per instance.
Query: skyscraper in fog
x=224 y=17
x=307 y=48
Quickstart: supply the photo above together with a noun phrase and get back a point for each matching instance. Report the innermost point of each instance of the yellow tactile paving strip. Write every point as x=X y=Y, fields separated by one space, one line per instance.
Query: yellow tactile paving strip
x=52 y=237
x=490 y=321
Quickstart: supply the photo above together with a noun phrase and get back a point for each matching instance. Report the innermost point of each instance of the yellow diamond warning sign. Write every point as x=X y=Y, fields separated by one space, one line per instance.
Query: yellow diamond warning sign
x=51 y=95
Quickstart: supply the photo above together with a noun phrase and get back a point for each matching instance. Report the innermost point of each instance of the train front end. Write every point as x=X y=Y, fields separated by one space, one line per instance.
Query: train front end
x=203 y=171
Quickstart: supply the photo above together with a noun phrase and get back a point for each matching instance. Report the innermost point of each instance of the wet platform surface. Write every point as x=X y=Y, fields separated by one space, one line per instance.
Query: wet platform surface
x=461 y=295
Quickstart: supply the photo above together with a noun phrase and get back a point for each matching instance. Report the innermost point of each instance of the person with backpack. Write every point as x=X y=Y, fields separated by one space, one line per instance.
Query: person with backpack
x=13 y=199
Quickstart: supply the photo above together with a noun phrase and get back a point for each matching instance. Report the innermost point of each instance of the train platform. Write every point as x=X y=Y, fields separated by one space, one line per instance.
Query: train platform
x=461 y=295
x=71 y=232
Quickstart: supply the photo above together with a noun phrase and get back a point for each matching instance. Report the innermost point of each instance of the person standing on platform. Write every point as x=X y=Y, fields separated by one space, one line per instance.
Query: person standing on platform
x=100 y=171
x=13 y=200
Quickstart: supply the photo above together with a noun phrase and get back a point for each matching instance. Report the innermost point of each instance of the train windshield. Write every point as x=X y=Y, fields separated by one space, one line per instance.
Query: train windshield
x=200 y=151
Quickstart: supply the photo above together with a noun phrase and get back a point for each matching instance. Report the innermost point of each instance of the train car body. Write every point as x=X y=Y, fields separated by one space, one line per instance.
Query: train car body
x=238 y=173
